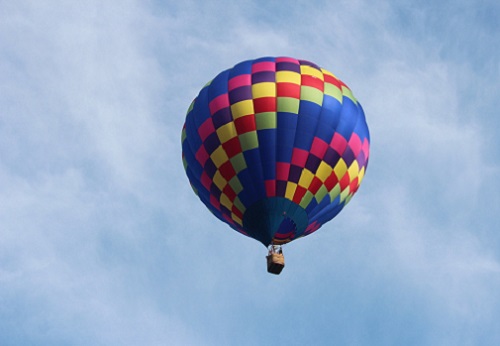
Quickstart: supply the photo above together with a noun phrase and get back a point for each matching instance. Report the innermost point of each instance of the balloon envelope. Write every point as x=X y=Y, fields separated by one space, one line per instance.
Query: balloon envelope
x=275 y=147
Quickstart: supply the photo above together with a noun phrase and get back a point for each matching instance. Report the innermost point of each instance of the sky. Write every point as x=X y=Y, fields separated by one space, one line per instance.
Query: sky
x=103 y=242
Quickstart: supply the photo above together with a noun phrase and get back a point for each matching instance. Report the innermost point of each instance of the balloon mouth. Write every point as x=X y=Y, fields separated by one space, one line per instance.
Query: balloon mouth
x=275 y=220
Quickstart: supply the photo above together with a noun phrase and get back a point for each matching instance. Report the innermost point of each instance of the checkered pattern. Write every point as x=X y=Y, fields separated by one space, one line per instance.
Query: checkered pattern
x=275 y=127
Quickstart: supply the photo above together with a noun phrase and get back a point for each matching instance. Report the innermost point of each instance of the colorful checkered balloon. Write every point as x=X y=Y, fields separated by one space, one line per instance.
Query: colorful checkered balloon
x=275 y=147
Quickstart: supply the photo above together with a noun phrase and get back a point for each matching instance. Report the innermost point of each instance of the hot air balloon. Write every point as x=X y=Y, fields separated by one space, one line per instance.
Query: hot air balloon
x=275 y=147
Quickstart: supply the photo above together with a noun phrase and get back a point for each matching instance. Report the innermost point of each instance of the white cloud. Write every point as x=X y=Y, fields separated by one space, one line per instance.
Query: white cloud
x=100 y=232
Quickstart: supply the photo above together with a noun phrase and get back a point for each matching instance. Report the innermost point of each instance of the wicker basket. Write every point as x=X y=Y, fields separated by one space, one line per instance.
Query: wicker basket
x=275 y=263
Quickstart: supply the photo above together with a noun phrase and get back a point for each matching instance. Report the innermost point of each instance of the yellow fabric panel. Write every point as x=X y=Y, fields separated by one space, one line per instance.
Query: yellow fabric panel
x=340 y=169
x=287 y=77
x=324 y=171
x=237 y=219
x=361 y=175
x=219 y=180
x=226 y=132
x=264 y=89
x=353 y=170
x=290 y=190
x=305 y=178
x=219 y=156
x=225 y=201
x=242 y=108
x=309 y=70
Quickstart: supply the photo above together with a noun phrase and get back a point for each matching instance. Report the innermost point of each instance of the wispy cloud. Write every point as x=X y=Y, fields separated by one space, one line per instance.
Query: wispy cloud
x=102 y=241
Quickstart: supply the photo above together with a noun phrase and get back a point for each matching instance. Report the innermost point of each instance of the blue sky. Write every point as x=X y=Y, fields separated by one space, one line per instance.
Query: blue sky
x=102 y=241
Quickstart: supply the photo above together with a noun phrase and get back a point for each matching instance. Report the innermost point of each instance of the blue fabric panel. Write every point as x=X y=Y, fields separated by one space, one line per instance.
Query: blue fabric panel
x=192 y=136
x=305 y=133
x=329 y=212
x=349 y=117
x=264 y=59
x=196 y=117
x=193 y=180
x=192 y=163
x=311 y=206
x=287 y=124
x=325 y=203
x=246 y=181
x=267 y=147
x=244 y=67
x=246 y=196
x=218 y=86
x=191 y=145
x=306 y=125
x=203 y=193
x=361 y=129
x=329 y=118
x=200 y=111
x=254 y=164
